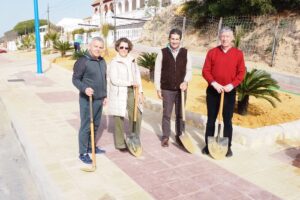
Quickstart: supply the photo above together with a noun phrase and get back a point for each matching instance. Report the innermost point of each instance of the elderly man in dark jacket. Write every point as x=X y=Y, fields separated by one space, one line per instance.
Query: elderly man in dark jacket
x=89 y=77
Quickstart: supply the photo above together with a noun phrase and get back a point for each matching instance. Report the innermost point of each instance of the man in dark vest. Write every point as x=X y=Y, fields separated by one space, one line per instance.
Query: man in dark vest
x=173 y=71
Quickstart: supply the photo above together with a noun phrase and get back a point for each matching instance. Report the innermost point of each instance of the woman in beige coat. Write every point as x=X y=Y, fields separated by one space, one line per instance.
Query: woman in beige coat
x=124 y=76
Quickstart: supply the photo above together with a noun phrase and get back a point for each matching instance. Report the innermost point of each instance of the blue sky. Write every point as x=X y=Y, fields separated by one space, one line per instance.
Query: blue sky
x=14 y=11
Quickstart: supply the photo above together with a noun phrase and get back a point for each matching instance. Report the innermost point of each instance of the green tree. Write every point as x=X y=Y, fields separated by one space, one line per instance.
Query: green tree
x=281 y=5
x=147 y=60
x=257 y=83
x=26 y=27
x=198 y=10
x=62 y=47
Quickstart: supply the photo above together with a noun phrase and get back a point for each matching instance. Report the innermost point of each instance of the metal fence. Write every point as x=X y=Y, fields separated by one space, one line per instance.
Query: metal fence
x=260 y=37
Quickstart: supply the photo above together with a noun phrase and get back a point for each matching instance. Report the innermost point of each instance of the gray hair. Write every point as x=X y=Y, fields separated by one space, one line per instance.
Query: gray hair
x=97 y=39
x=225 y=29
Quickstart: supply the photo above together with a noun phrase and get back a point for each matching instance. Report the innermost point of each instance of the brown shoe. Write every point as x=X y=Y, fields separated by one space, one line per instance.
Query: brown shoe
x=165 y=142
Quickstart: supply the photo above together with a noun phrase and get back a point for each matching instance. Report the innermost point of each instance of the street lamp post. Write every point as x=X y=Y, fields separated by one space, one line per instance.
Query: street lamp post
x=37 y=38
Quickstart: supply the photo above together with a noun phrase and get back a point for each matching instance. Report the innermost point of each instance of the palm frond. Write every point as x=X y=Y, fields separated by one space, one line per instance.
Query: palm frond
x=260 y=84
x=147 y=60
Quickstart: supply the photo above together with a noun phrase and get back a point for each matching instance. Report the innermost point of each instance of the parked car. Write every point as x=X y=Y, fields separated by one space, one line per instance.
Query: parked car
x=3 y=51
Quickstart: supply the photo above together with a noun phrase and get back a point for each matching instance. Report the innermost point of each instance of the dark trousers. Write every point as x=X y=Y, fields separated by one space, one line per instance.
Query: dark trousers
x=213 y=103
x=170 y=98
x=85 y=131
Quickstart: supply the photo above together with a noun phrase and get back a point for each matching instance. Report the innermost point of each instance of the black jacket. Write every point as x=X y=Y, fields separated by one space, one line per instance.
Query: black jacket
x=90 y=72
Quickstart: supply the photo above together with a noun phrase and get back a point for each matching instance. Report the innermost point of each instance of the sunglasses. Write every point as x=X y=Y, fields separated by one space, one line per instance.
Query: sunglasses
x=127 y=48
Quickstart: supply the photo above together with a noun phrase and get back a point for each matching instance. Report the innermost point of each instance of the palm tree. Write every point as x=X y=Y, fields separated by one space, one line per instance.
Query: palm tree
x=147 y=60
x=51 y=37
x=257 y=83
x=238 y=34
x=28 y=41
x=62 y=47
x=105 y=31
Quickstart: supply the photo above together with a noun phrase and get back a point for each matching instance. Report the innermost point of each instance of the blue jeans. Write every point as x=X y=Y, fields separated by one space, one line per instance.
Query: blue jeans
x=85 y=131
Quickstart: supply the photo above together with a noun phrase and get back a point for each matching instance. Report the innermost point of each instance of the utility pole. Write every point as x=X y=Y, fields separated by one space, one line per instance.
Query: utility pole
x=48 y=18
x=115 y=21
x=37 y=37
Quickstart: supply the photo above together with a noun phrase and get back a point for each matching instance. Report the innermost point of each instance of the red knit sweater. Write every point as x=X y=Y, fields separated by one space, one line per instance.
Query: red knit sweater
x=224 y=68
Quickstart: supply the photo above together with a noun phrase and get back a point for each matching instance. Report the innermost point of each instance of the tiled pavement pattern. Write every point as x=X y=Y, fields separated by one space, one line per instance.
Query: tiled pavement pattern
x=48 y=127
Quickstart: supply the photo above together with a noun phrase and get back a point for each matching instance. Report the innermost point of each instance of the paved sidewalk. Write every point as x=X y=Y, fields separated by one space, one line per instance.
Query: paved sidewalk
x=45 y=113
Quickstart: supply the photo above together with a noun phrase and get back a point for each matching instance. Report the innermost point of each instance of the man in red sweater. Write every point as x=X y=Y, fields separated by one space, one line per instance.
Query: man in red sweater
x=224 y=69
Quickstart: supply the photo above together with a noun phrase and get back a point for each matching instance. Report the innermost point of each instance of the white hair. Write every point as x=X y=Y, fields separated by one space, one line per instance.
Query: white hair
x=225 y=29
x=97 y=39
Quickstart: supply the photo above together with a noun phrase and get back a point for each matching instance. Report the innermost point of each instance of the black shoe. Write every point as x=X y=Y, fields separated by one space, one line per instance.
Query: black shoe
x=97 y=150
x=85 y=158
x=229 y=152
x=205 y=150
x=123 y=150
x=178 y=141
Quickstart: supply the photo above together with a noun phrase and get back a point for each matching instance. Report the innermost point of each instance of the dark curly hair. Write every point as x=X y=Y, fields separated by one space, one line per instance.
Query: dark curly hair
x=126 y=40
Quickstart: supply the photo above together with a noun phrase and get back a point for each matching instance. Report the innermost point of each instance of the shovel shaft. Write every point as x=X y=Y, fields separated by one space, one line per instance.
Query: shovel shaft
x=221 y=108
x=136 y=99
x=182 y=105
x=92 y=132
x=220 y=114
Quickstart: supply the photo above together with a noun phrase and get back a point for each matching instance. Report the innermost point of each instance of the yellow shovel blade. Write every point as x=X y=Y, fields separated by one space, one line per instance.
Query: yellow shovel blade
x=135 y=150
x=217 y=149
x=88 y=169
x=187 y=143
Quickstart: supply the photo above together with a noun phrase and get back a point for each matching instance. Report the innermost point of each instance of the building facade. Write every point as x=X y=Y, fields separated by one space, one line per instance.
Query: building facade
x=121 y=14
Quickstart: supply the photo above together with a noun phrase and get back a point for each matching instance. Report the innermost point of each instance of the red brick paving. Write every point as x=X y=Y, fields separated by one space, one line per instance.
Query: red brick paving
x=58 y=97
x=32 y=78
x=289 y=156
x=173 y=174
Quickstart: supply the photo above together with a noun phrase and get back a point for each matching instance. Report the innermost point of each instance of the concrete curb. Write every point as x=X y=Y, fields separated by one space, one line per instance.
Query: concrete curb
x=45 y=184
x=249 y=137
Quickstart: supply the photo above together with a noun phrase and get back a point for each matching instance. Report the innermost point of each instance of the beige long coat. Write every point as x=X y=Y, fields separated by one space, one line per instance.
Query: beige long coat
x=122 y=71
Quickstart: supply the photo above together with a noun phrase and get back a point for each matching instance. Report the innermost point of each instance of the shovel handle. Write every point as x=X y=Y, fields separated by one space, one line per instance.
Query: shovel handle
x=136 y=98
x=221 y=108
x=182 y=105
x=92 y=131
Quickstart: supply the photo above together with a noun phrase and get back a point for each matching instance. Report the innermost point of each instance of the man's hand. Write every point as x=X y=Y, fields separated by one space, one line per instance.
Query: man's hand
x=104 y=101
x=183 y=86
x=89 y=91
x=228 y=88
x=217 y=87
x=159 y=94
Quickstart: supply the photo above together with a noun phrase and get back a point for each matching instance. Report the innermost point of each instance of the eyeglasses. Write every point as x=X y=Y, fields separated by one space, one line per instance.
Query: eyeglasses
x=127 y=48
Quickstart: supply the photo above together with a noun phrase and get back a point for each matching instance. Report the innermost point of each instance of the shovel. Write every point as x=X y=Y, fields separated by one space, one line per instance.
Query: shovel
x=92 y=138
x=218 y=146
x=184 y=137
x=133 y=140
